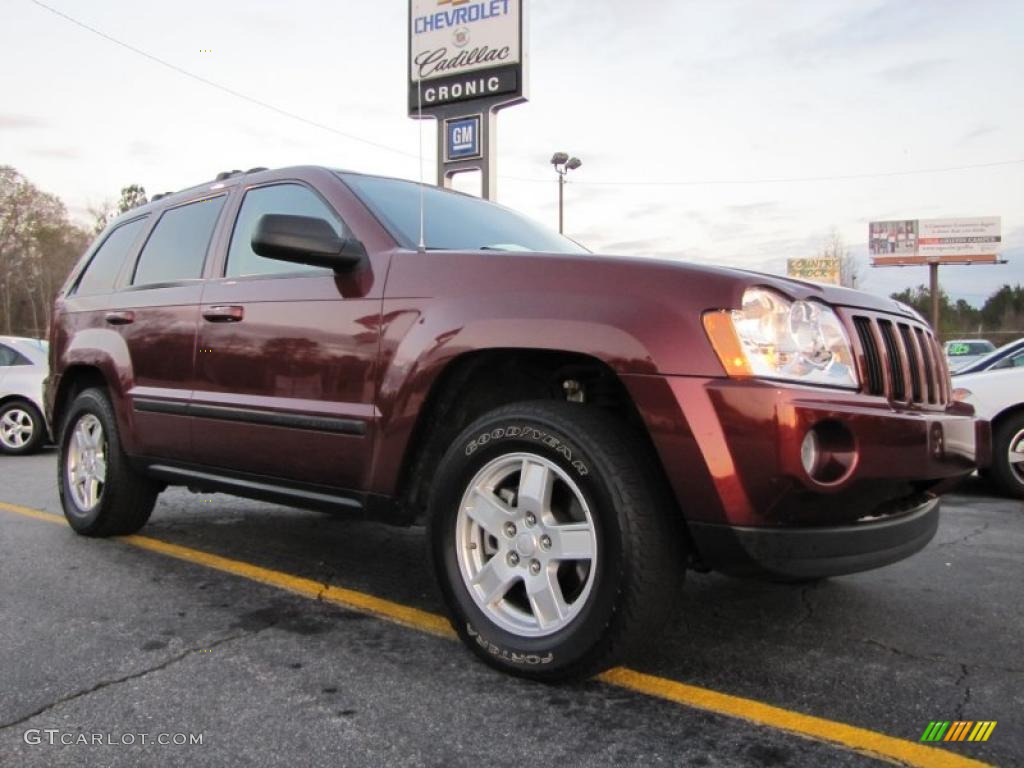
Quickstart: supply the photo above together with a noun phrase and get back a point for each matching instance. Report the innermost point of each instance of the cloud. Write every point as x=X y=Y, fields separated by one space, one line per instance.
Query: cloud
x=60 y=153
x=143 y=149
x=982 y=130
x=753 y=209
x=11 y=122
x=865 y=28
x=642 y=246
x=914 y=71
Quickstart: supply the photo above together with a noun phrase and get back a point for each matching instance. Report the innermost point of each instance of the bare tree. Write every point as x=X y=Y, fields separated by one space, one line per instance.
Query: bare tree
x=38 y=245
x=132 y=196
x=850 y=269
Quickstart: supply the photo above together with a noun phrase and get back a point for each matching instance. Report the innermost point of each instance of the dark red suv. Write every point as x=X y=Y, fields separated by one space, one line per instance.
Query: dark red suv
x=575 y=430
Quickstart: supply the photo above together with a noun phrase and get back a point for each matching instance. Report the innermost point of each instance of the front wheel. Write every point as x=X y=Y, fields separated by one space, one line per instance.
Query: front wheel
x=102 y=495
x=553 y=540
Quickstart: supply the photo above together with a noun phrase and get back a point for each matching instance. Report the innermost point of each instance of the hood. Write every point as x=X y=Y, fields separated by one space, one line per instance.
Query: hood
x=794 y=289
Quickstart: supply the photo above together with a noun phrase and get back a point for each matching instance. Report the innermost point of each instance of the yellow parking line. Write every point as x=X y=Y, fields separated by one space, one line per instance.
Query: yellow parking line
x=850 y=737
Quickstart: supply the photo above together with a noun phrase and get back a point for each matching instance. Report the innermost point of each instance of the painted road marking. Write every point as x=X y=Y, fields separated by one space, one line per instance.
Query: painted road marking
x=850 y=737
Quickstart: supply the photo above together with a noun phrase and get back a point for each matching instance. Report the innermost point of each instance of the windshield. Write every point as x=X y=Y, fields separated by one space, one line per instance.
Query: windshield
x=452 y=221
x=965 y=348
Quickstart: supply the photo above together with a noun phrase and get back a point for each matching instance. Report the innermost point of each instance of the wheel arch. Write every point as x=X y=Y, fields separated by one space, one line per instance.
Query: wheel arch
x=73 y=381
x=1006 y=413
x=478 y=381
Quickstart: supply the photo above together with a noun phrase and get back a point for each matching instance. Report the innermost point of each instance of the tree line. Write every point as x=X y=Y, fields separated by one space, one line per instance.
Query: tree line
x=1001 y=317
x=39 y=243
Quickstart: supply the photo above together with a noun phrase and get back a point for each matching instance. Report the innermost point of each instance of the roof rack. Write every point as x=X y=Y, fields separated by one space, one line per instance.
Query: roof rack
x=236 y=172
x=160 y=196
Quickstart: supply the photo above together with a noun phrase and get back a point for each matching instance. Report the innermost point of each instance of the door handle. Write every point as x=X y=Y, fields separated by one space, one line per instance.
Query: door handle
x=223 y=314
x=120 y=318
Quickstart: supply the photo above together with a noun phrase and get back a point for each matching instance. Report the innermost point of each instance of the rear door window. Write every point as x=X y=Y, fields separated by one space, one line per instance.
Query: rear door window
x=106 y=263
x=9 y=356
x=176 y=250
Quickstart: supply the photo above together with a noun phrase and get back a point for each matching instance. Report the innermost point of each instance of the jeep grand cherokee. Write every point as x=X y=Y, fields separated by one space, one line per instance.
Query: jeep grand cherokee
x=575 y=430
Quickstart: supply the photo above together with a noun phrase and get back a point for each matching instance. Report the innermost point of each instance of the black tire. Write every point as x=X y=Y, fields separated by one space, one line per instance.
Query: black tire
x=640 y=554
x=30 y=417
x=126 y=498
x=1006 y=478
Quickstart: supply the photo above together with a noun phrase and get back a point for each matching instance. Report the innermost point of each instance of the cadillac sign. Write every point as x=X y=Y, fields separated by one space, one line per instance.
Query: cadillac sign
x=465 y=50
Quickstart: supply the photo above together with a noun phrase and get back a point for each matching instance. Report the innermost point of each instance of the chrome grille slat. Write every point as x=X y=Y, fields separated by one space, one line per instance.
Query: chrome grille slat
x=900 y=360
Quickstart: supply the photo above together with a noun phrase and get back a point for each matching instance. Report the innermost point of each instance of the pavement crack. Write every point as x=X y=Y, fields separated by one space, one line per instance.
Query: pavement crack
x=808 y=606
x=930 y=658
x=967 y=692
x=966 y=537
x=326 y=582
x=901 y=652
x=102 y=684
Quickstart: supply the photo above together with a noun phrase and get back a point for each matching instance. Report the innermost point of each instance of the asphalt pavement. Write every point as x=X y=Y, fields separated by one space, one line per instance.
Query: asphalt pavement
x=101 y=641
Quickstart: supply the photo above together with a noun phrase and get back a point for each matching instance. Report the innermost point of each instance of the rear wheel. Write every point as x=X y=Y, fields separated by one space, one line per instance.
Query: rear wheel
x=102 y=495
x=22 y=429
x=1008 y=455
x=552 y=540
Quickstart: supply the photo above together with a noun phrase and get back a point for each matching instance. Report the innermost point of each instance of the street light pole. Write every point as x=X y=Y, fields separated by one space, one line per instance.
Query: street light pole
x=563 y=164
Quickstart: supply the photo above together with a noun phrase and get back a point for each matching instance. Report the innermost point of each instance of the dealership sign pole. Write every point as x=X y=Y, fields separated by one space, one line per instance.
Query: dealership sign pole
x=467 y=60
x=908 y=242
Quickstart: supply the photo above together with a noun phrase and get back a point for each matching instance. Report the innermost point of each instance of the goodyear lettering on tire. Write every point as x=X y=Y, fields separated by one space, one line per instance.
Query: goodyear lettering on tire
x=529 y=433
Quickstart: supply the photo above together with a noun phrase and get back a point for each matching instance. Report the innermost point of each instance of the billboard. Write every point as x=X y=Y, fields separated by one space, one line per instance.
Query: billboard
x=463 y=50
x=819 y=269
x=939 y=241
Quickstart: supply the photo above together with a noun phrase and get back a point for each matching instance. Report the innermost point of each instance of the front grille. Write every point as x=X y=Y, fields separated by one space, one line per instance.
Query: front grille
x=900 y=360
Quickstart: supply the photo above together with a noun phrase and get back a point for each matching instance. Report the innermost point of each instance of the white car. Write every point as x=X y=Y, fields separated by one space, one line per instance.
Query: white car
x=998 y=395
x=23 y=367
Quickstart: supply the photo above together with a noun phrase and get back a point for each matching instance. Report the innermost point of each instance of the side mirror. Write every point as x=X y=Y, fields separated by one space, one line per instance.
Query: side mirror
x=305 y=240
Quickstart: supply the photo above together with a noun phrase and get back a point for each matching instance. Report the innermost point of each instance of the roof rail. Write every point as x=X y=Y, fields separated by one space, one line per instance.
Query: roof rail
x=257 y=169
x=160 y=196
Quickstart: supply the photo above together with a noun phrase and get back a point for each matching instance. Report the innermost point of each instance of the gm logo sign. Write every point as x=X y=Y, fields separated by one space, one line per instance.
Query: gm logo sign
x=462 y=138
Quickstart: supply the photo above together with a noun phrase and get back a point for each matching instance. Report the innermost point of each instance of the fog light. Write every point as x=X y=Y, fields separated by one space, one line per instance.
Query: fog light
x=810 y=452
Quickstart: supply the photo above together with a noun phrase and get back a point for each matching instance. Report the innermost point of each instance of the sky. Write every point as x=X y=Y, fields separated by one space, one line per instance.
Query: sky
x=720 y=132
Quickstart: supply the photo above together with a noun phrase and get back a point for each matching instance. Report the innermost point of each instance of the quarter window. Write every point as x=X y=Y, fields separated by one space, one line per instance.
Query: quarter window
x=106 y=263
x=177 y=248
x=294 y=199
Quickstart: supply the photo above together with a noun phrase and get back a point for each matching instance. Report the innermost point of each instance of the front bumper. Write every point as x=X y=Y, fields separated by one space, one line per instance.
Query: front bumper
x=731 y=453
x=811 y=553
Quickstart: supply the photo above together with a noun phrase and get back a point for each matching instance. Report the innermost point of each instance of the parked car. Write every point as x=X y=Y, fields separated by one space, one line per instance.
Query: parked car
x=998 y=395
x=963 y=352
x=22 y=371
x=1007 y=356
x=575 y=430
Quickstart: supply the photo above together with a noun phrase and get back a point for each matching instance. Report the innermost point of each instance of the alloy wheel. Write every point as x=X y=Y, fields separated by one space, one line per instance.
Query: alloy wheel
x=87 y=462
x=16 y=428
x=526 y=544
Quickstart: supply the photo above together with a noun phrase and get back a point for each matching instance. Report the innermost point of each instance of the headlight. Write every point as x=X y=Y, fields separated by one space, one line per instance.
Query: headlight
x=960 y=394
x=776 y=338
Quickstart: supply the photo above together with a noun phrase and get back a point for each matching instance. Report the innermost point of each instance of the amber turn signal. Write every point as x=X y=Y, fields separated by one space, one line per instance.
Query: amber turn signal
x=722 y=334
